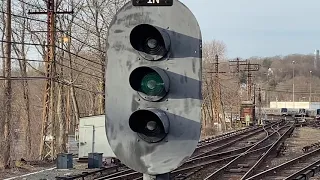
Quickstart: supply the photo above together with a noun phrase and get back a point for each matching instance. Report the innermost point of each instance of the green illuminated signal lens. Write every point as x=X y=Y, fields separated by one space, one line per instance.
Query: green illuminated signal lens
x=152 y=84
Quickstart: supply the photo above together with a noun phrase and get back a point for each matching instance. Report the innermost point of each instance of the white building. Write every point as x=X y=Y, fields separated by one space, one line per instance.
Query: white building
x=304 y=105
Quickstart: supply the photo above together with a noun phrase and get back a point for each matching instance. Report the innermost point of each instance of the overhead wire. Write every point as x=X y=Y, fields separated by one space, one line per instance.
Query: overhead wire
x=85 y=66
x=47 y=45
x=43 y=21
x=23 y=78
x=32 y=78
x=37 y=44
x=46 y=78
x=67 y=18
x=75 y=86
x=60 y=30
x=35 y=60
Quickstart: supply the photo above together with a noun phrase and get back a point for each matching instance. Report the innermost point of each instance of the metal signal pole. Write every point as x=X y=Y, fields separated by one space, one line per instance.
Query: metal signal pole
x=47 y=145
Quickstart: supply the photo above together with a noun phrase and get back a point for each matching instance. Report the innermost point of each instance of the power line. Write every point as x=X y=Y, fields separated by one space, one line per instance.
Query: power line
x=44 y=78
x=36 y=44
x=67 y=18
x=43 y=21
x=21 y=59
x=37 y=60
x=88 y=67
x=70 y=84
x=24 y=78
x=97 y=77
x=34 y=60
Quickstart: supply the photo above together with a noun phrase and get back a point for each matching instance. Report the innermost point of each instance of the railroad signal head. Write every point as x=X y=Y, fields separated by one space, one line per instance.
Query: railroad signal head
x=153 y=86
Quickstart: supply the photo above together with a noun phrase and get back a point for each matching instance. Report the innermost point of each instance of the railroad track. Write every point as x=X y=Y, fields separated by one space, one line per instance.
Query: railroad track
x=225 y=136
x=93 y=174
x=302 y=167
x=235 y=166
x=204 y=158
x=195 y=164
x=122 y=169
x=214 y=146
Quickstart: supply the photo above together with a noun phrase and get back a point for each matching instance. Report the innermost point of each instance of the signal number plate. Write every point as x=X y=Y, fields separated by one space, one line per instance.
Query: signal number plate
x=152 y=2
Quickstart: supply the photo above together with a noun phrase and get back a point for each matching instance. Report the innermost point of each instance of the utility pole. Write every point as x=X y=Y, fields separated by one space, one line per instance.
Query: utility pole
x=249 y=67
x=293 y=85
x=218 y=105
x=47 y=145
x=237 y=72
x=310 y=99
x=249 y=82
x=259 y=107
x=254 y=103
x=237 y=61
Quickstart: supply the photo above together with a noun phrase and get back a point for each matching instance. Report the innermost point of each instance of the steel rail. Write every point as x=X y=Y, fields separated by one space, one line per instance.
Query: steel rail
x=312 y=168
x=221 y=170
x=206 y=164
x=85 y=174
x=202 y=143
x=232 y=141
x=268 y=152
x=183 y=170
x=274 y=170
x=226 y=135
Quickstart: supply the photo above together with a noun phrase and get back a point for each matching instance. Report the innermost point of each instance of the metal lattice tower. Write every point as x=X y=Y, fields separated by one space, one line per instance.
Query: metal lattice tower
x=48 y=131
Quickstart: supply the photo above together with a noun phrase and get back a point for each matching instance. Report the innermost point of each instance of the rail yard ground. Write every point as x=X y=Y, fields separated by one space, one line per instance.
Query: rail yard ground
x=302 y=136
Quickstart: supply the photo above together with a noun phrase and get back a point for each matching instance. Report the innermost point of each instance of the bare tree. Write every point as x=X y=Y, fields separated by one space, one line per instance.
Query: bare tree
x=21 y=51
x=2 y=28
x=209 y=51
x=7 y=88
x=213 y=48
x=100 y=14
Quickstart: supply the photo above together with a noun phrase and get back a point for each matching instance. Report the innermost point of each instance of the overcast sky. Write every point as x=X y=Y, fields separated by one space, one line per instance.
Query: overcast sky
x=260 y=27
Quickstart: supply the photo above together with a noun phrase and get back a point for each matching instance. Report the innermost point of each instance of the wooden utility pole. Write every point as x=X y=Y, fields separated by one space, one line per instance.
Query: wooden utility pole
x=259 y=107
x=7 y=89
x=249 y=67
x=218 y=105
x=249 y=82
x=47 y=144
x=237 y=61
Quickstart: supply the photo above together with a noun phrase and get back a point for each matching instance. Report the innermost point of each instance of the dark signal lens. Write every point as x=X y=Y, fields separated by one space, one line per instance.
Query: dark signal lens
x=151 y=42
x=152 y=84
x=151 y=125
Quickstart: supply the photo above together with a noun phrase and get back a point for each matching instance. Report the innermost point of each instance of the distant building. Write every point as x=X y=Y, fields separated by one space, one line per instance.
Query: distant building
x=304 y=105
